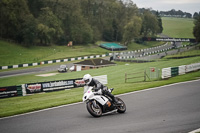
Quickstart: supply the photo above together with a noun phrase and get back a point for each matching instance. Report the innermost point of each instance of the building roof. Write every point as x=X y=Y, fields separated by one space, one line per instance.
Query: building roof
x=95 y=62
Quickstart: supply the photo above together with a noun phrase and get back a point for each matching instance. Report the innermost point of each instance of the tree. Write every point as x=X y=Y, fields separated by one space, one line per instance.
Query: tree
x=13 y=15
x=29 y=31
x=149 y=24
x=45 y=33
x=35 y=6
x=49 y=26
x=81 y=32
x=159 y=22
x=132 y=30
x=108 y=17
x=61 y=21
x=196 y=29
x=195 y=15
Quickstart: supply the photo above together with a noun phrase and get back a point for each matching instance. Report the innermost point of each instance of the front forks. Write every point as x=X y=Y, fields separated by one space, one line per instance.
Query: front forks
x=94 y=103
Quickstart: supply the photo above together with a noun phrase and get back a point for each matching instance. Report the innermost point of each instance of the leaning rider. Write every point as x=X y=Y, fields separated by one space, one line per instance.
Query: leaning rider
x=97 y=86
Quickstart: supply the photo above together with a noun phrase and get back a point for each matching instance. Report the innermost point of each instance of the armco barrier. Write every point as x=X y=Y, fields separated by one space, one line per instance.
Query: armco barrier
x=166 y=73
x=192 y=67
x=182 y=70
x=54 y=61
x=174 y=71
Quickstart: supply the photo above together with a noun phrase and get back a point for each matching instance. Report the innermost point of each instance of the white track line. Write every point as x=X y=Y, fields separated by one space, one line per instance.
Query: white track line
x=158 y=87
x=82 y=102
x=195 y=131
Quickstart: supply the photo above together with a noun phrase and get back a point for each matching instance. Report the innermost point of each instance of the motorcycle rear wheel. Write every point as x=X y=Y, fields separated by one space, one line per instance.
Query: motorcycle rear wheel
x=95 y=111
x=122 y=107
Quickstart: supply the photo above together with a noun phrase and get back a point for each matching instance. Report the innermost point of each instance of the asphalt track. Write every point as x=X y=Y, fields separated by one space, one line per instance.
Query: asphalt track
x=31 y=70
x=168 y=109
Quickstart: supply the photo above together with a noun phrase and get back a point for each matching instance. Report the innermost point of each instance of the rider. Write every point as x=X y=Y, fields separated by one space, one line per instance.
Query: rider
x=97 y=86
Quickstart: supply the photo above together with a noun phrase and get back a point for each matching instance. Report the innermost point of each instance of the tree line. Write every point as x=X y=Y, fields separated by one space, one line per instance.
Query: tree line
x=45 y=22
x=196 y=28
x=174 y=13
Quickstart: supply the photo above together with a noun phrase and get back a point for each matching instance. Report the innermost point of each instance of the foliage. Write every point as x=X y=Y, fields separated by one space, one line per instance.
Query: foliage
x=132 y=30
x=196 y=15
x=196 y=29
x=49 y=27
x=45 y=22
x=30 y=30
x=174 y=13
x=14 y=14
x=160 y=30
x=150 y=25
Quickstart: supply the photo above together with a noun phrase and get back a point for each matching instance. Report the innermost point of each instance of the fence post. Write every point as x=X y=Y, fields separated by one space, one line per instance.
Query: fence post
x=158 y=74
x=125 y=77
x=144 y=75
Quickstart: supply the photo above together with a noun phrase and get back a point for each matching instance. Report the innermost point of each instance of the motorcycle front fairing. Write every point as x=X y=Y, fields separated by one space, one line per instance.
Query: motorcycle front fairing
x=89 y=95
x=101 y=99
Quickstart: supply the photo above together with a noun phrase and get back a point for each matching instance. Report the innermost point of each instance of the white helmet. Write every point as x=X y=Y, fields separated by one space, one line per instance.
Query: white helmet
x=87 y=78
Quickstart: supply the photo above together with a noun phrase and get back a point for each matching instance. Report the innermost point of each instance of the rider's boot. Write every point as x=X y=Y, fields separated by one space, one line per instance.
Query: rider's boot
x=113 y=98
x=116 y=101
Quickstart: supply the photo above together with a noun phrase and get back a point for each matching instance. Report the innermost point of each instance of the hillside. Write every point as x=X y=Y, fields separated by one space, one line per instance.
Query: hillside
x=12 y=54
x=178 y=27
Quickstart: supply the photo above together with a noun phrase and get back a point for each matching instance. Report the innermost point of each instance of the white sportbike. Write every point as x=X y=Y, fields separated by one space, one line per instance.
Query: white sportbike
x=97 y=104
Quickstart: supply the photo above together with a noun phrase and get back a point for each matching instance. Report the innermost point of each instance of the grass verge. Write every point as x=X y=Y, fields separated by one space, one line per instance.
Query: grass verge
x=116 y=74
x=19 y=105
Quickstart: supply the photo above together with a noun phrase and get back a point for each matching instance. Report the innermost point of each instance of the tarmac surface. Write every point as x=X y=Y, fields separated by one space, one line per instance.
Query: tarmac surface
x=25 y=71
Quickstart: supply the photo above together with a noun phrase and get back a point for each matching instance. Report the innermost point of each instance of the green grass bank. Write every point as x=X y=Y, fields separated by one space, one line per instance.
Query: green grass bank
x=116 y=79
x=178 y=27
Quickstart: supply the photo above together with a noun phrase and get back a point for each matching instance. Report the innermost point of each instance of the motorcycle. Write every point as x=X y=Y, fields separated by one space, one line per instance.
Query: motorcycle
x=98 y=104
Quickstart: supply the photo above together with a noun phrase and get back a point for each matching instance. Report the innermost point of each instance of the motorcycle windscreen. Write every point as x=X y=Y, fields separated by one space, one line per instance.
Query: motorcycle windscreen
x=86 y=88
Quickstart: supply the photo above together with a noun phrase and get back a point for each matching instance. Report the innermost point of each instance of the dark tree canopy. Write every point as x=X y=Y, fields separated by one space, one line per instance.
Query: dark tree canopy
x=45 y=22
x=196 y=29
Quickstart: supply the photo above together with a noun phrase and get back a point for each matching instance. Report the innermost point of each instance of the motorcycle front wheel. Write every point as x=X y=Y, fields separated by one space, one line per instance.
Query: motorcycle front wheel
x=94 y=110
x=122 y=107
